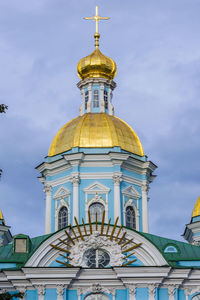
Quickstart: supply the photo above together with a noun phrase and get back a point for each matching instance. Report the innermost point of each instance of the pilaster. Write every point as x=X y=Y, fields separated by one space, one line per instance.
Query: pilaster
x=47 y=190
x=60 y=291
x=75 y=178
x=145 y=221
x=132 y=291
x=41 y=292
x=117 y=178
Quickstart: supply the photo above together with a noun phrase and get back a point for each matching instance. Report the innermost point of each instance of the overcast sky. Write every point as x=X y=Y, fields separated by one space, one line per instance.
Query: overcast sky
x=156 y=47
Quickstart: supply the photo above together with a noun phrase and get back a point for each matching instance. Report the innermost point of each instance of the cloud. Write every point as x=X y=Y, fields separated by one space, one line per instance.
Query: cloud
x=156 y=47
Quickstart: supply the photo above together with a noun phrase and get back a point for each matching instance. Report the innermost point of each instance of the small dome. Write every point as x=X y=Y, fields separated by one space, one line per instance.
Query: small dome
x=196 y=209
x=96 y=130
x=96 y=65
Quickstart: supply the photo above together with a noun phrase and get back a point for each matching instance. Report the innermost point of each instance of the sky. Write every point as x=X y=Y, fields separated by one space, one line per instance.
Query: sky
x=156 y=47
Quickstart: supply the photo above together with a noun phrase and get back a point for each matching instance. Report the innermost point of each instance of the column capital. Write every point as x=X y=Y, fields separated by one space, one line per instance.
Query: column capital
x=60 y=289
x=47 y=188
x=152 y=289
x=75 y=178
x=41 y=290
x=145 y=187
x=117 y=178
x=132 y=289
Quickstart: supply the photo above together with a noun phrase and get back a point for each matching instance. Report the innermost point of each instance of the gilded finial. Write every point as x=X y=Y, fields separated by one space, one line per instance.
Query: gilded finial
x=96 y=18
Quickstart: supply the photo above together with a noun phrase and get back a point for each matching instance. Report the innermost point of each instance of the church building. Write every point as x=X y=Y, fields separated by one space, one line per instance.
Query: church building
x=97 y=244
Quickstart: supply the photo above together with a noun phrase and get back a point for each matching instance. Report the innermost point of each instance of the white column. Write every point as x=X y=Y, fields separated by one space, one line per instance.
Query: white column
x=89 y=105
x=145 y=221
x=152 y=292
x=60 y=291
x=75 y=180
x=171 y=292
x=117 y=178
x=47 y=190
x=132 y=292
x=41 y=292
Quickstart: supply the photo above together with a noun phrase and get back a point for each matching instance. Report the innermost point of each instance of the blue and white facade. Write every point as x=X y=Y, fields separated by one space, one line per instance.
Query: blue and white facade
x=97 y=244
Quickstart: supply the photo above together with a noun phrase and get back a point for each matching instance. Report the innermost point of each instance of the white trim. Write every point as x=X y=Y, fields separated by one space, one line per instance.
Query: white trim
x=96 y=187
x=96 y=199
x=63 y=203
x=131 y=192
x=131 y=203
x=61 y=193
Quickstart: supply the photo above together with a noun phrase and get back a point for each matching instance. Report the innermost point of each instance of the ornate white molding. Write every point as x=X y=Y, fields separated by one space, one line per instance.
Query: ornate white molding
x=96 y=288
x=41 y=291
x=61 y=193
x=96 y=241
x=63 y=203
x=117 y=178
x=75 y=178
x=47 y=188
x=60 y=291
x=132 y=291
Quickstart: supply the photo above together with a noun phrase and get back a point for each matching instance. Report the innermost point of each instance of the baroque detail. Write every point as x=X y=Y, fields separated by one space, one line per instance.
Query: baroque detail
x=96 y=241
x=152 y=289
x=60 y=289
x=117 y=178
x=132 y=289
x=41 y=290
x=47 y=188
x=75 y=178
x=96 y=288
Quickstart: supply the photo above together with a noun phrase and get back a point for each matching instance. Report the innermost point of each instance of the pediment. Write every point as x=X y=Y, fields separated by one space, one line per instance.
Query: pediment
x=97 y=187
x=131 y=192
x=62 y=192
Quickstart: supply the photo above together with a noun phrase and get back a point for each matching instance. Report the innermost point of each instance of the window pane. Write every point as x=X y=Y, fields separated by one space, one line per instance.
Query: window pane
x=106 y=99
x=95 y=98
x=96 y=208
x=130 y=217
x=63 y=217
x=96 y=258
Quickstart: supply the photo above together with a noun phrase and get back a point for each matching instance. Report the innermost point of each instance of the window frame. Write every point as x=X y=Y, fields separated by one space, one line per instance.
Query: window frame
x=96 y=98
x=60 y=222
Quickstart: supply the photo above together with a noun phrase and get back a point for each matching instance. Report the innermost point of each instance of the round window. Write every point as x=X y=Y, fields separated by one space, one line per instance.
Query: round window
x=96 y=258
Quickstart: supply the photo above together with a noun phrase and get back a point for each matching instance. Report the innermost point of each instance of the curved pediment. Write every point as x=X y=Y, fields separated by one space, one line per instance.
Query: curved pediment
x=123 y=247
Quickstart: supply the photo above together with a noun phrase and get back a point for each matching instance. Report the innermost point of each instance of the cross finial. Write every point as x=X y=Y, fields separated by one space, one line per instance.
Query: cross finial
x=96 y=18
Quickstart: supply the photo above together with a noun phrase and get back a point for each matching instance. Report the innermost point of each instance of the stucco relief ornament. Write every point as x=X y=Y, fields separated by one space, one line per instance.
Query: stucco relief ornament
x=95 y=241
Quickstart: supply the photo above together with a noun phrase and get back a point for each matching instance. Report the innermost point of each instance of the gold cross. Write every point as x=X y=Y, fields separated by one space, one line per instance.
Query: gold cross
x=96 y=18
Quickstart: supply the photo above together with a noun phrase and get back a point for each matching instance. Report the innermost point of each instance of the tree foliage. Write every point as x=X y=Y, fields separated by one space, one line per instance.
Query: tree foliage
x=7 y=296
x=3 y=108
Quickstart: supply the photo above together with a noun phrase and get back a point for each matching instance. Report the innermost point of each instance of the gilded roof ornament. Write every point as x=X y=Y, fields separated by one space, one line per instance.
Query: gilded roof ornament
x=97 y=18
x=96 y=65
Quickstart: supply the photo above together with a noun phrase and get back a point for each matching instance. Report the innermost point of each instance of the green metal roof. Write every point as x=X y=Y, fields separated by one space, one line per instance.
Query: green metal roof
x=8 y=256
x=186 y=252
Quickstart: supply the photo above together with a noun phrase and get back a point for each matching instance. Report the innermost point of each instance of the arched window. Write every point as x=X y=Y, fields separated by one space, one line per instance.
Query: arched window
x=96 y=296
x=96 y=258
x=96 y=208
x=130 y=217
x=106 y=99
x=86 y=98
x=96 y=98
x=63 y=217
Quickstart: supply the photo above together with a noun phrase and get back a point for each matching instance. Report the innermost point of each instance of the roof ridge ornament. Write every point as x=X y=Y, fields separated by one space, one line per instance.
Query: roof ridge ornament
x=96 y=18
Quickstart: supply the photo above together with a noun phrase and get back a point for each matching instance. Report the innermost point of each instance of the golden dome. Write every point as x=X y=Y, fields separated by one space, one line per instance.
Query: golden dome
x=96 y=65
x=96 y=130
x=196 y=209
